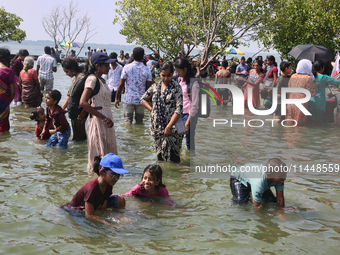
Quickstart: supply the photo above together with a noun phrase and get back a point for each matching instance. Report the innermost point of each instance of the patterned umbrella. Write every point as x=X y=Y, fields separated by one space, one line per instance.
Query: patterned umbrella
x=233 y=51
x=69 y=44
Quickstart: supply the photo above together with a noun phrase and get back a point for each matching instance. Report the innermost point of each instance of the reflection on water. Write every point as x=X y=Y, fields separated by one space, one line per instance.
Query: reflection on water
x=35 y=181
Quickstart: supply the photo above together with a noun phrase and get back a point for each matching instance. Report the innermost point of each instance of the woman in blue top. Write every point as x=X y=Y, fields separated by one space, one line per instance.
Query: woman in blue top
x=317 y=104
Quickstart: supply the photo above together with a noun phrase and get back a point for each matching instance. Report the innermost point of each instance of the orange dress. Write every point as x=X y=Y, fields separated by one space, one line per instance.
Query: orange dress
x=299 y=81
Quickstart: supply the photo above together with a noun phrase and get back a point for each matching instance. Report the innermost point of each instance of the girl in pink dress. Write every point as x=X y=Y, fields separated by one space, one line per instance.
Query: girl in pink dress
x=151 y=185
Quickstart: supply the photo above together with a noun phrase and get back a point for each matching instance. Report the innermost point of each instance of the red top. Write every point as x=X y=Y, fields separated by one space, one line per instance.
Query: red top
x=39 y=129
x=271 y=73
x=58 y=115
x=161 y=192
x=90 y=193
x=30 y=75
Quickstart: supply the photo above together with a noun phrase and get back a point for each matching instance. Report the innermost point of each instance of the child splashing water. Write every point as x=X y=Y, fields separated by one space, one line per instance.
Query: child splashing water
x=151 y=185
x=38 y=114
x=95 y=194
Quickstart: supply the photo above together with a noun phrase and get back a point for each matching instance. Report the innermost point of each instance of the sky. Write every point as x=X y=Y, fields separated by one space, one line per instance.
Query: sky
x=102 y=13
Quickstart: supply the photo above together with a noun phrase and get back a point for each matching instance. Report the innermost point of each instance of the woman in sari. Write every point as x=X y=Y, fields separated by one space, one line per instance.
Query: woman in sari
x=17 y=66
x=303 y=78
x=29 y=84
x=270 y=78
x=317 y=104
x=7 y=88
x=254 y=79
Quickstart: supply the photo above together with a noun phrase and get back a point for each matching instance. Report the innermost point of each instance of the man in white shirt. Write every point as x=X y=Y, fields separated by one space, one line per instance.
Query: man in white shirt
x=113 y=77
x=46 y=65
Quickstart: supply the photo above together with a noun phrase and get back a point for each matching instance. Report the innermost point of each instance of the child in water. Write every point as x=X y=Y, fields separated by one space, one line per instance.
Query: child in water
x=267 y=102
x=38 y=114
x=96 y=193
x=151 y=185
x=258 y=179
x=63 y=131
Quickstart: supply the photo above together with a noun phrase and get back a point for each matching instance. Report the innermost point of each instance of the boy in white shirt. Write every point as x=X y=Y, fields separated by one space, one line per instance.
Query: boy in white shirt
x=113 y=77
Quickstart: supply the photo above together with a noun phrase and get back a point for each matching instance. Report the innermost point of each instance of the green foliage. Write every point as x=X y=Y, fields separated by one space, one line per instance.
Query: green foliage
x=9 y=24
x=179 y=26
x=301 y=22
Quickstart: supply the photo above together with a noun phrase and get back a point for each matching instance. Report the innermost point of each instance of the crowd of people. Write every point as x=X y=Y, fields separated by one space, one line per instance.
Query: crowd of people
x=173 y=102
x=262 y=76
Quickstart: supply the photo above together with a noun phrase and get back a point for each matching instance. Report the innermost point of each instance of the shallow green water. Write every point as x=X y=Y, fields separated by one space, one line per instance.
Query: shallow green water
x=35 y=181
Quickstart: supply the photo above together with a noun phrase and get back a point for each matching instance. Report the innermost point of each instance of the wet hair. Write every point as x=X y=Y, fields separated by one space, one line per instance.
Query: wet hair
x=272 y=58
x=55 y=94
x=21 y=52
x=72 y=64
x=113 y=55
x=284 y=65
x=28 y=63
x=5 y=57
x=275 y=165
x=182 y=63
x=156 y=172
x=225 y=63
x=35 y=113
x=47 y=50
x=318 y=65
x=166 y=65
x=96 y=164
x=138 y=53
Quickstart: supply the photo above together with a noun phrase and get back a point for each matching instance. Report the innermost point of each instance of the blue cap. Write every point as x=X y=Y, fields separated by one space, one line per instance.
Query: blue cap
x=113 y=162
x=100 y=58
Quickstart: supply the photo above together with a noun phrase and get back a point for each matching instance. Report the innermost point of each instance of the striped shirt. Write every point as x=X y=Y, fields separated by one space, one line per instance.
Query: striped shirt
x=46 y=63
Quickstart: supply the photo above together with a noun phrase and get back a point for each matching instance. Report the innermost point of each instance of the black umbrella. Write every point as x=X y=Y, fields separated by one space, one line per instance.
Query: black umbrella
x=312 y=52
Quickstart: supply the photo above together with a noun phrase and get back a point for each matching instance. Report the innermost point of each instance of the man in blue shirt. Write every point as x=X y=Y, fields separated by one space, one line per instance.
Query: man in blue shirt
x=242 y=70
x=258 y=179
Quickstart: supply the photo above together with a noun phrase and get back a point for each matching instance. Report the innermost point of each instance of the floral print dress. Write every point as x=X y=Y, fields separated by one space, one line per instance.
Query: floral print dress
x=172 y=99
